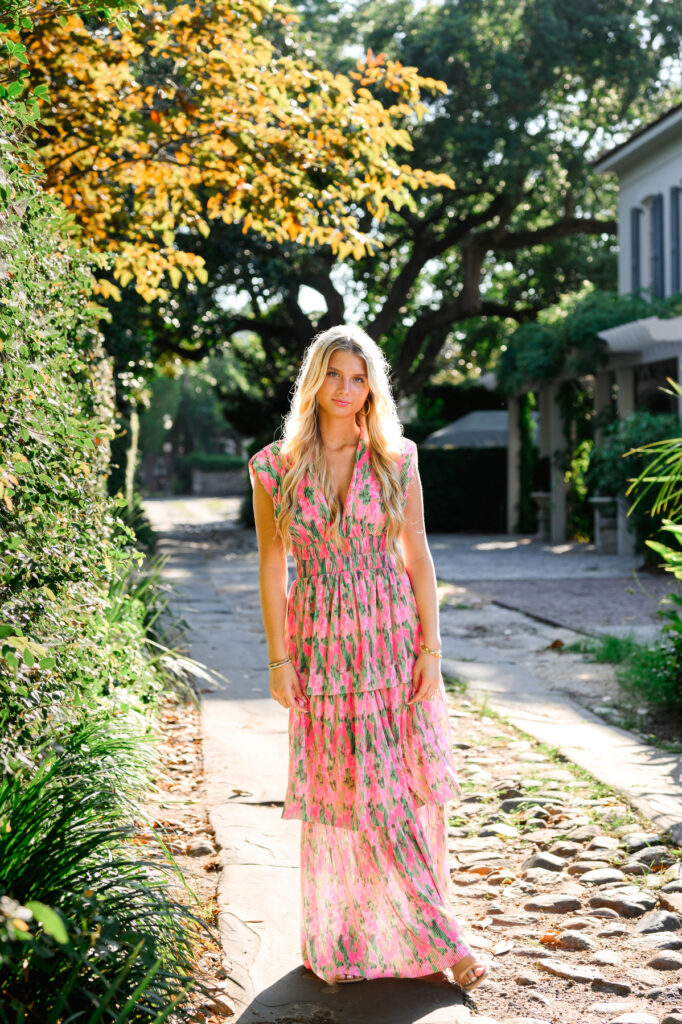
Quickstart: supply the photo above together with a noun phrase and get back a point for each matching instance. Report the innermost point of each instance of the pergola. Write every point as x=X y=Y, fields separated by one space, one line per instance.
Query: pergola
x=634 y=349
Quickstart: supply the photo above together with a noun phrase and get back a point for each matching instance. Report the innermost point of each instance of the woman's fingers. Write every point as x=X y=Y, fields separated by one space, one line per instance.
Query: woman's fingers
x=425 y=691
x=289 y=694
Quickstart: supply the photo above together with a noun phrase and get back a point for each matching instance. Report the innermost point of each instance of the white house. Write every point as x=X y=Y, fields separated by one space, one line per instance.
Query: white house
x=641 y=353
x=649 y=170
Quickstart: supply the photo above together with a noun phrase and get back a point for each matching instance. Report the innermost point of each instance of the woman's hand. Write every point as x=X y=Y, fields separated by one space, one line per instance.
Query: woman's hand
x=425 y=677
x=286 y=688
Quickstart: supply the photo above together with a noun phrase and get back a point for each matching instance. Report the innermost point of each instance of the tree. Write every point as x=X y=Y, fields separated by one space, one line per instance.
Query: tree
x=535 y=90
x=190 y=114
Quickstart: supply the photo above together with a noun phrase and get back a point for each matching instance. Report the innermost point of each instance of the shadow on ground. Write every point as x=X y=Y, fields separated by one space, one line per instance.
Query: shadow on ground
x=301 y=996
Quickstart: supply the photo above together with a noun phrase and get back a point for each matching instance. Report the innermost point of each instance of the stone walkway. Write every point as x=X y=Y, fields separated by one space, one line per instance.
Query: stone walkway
x=495 y=831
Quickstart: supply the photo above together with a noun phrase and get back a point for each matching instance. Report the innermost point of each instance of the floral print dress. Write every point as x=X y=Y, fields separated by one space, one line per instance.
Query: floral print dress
x=369 y=775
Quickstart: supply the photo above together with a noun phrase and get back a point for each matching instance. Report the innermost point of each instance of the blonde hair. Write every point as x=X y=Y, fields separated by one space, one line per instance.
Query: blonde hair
x=379 y=424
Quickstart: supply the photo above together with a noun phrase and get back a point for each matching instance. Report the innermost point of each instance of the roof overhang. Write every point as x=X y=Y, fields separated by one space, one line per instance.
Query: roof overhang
x=667 y=128
x=653 y=337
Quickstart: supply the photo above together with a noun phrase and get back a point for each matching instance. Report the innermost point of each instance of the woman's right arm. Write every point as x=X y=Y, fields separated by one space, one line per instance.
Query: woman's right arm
x=284 y=683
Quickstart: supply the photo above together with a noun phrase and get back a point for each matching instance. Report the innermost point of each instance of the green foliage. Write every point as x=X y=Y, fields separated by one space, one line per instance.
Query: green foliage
x=617 y=459
x=526 y=513
x=96 y=909
x=83 y=654
x=655 y=672
x=18 y=17
x=531 y=87
x=605 y=648
x=567 y=341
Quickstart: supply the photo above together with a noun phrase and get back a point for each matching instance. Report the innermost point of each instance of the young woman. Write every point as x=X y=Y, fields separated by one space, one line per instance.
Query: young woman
x=354 y=653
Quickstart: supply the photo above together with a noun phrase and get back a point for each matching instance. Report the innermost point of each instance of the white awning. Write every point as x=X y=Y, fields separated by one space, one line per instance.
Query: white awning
x=485 y=428
x=640 y=335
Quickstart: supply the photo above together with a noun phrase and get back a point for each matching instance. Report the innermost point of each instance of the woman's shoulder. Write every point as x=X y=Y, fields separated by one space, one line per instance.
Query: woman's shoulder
x=409 y=448
x=266 y=465
x=407 y=461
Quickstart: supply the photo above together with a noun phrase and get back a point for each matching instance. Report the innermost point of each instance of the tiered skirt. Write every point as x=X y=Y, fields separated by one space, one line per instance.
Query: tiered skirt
x=369 y=775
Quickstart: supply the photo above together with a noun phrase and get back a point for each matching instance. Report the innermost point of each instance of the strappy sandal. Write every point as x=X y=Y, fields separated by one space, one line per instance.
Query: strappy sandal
x=467 y=963
x=346 y=981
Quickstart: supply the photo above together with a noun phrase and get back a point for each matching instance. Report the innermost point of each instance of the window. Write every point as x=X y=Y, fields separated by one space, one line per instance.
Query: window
x=635 y=248
x=657 y=264
x=674 y=240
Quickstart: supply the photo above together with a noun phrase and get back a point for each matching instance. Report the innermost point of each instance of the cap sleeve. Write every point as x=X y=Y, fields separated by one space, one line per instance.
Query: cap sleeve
x=408 y=463
x=267 y=466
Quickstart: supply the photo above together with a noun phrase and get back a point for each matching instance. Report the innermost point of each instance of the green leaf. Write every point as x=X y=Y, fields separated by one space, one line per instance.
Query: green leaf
x=50 y=920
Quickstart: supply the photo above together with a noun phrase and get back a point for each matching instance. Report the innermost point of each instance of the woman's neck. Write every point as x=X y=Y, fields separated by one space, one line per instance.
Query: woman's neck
x=335 y=434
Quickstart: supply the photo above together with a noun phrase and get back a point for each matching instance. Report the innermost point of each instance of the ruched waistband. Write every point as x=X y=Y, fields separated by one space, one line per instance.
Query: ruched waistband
x=353 y=554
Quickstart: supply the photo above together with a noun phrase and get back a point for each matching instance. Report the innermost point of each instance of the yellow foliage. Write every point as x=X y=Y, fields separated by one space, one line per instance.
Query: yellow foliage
x=228 y=129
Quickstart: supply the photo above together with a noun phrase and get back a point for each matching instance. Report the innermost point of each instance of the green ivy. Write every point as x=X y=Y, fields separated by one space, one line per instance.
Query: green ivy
x=80 y=664
x=568 y=341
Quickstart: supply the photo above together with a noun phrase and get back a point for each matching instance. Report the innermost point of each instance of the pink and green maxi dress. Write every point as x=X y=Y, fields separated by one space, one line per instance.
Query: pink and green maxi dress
x=369 y=775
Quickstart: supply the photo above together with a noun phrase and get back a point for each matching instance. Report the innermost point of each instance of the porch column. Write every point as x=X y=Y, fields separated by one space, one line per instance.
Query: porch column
x=625 y=382
x=513 y=468
x=544 y=408
x=557 y=443
x=602 y=398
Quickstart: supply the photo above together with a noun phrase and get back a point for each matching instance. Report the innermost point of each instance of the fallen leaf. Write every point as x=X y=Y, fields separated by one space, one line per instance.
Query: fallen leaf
x=502 y=947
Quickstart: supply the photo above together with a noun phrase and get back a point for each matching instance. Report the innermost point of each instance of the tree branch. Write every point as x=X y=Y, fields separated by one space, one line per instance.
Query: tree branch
x=560 y=229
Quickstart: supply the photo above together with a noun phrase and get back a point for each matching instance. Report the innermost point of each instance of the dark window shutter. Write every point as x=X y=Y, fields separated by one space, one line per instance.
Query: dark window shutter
x=675 y=240
x=635 y=248
x=657 y=265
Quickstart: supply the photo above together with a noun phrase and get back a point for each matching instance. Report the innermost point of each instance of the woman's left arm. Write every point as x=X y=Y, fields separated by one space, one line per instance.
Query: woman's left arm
x=419 y=567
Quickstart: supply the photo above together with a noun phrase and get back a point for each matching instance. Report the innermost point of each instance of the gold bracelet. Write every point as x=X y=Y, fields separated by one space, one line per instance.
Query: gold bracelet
x=278 y=664
x=423 y=647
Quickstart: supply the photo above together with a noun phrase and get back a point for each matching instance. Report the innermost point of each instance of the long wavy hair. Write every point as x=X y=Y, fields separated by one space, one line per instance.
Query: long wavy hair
x=379 y=425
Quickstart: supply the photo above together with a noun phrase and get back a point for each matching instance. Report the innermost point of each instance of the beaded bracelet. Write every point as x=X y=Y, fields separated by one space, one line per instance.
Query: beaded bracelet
x=278 y=664
x=436 y=654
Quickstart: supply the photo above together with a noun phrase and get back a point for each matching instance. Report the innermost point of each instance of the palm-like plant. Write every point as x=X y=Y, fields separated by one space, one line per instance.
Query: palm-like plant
x=99 y=938
x=661 y=478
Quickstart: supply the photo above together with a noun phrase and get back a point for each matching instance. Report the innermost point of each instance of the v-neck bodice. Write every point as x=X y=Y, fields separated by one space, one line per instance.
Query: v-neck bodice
x=348 y=498
x=351 y=614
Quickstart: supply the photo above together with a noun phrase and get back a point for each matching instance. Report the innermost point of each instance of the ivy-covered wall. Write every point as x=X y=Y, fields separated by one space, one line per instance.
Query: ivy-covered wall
x=78 y=677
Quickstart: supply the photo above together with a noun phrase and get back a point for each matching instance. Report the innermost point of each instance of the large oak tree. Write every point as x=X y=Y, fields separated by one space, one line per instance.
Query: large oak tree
x=536 y=88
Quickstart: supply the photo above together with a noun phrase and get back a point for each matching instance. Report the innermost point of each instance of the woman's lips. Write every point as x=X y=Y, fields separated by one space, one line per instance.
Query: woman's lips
x=339 y=401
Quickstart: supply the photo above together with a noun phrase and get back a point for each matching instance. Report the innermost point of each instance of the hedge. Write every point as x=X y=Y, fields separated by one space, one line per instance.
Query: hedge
x=80 y=914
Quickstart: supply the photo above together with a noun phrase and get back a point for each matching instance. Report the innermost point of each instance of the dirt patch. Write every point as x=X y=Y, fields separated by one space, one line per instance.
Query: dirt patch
x=177 y=813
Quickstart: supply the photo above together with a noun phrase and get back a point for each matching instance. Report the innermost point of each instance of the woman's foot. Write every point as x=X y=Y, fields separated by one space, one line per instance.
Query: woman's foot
x=345 y=979
x=469 y=972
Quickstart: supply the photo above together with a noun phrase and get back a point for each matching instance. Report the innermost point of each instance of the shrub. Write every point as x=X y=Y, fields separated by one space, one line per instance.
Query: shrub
x=82 y=656
x=610 y=473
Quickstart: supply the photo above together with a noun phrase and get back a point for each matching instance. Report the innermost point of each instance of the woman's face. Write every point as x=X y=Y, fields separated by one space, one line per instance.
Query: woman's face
x=345 y=388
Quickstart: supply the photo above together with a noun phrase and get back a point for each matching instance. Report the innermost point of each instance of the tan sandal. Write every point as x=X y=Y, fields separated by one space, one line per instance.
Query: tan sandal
x=468 y=963
x=341 y=980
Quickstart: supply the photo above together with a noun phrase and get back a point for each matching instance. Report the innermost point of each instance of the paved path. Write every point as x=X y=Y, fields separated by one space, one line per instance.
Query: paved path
x=245 y=743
